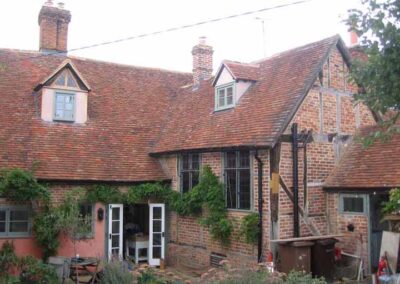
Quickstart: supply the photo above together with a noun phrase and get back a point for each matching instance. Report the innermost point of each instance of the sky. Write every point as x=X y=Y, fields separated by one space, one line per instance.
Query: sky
x=240 y=39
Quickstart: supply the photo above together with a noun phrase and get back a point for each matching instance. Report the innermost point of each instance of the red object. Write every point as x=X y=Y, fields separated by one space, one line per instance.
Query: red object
x=270 y=257
x=338 y=254
x=382 y=266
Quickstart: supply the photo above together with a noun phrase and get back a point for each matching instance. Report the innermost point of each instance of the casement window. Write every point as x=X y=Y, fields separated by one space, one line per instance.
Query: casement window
x=15 y=221
x=87 y=220
x=237 y=179
x=64 y=106
x=225 y=96
x=189 y=171
x=352 y=203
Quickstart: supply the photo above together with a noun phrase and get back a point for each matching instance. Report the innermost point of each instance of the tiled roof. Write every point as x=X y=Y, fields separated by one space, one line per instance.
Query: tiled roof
x=261 y=114
x=243 y=71
x=126 y=105
x=375 y=166
x=134 y=112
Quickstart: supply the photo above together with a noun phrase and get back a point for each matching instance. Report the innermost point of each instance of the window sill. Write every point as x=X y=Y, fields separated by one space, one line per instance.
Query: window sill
x=224 y=108
x=241 y=210
x=27 y=236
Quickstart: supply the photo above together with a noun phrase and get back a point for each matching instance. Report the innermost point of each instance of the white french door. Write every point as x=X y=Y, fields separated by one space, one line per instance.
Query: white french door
x=157 y=229
x=115 y=230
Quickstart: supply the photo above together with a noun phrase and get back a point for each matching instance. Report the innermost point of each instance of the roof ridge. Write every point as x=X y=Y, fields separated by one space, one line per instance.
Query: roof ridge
x=241 y=63
x=93 y=60
x=307 y=45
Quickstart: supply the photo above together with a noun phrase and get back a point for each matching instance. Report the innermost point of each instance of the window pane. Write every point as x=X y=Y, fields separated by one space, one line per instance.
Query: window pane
x=231 y=188
x=156 y=225
x=59 y=114
x=2 y=227
x=115 y=227
x=185 y=161
x=185 y=182
x=244 y=189
x=157 y=213
x=21 y=215
x=18 y=227
x=2 y=216
x=353 y=204
x=195 y=161
x=60 y=80
x=71 y=81
x=157 y=239
x=244 y=159
x=195 y=178
x=115 y=241
x=221 y=98
x=230 y=160
x=156 y=252
x=115 y=213
x=229 y=96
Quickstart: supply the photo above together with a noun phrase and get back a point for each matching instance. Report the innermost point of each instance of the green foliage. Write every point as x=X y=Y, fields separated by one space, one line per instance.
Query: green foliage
x=34 y=271
x=249 y=228
x=21 y=185
x=8 y=259
x=379 y=25
x=148 y=277
x=208 y=193
x=116 y=272
x=104 y=193
x=297 y=277
x=393 y=205
x=145 y=191
x=46 y=229
x=245 y=277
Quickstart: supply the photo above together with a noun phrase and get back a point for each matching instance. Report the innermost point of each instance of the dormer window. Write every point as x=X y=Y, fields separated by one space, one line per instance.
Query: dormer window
x=64 y=95
x=225 y=96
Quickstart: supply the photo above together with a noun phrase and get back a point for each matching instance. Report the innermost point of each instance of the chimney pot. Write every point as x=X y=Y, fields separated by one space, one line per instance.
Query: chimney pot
x=49 y=3
x=353 y=38
x=202 y=40
x=60 y=5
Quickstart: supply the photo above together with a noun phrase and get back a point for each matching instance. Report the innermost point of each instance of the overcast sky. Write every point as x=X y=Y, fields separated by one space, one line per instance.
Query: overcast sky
x=240 y=39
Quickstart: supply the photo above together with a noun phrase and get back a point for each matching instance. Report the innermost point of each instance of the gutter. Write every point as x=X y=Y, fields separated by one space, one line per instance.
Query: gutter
x=260 y=206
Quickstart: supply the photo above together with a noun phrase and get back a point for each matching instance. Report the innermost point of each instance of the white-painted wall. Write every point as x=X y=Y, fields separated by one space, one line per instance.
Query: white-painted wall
x=81 y=100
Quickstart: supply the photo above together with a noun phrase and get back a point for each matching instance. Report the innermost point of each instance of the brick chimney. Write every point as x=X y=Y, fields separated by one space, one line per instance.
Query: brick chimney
x=53 y=22
x=353 y=38
x=202 y=61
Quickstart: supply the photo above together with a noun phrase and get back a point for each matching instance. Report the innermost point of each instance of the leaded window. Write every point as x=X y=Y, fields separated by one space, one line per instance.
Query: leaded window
x=237 y=179
x=189 y=166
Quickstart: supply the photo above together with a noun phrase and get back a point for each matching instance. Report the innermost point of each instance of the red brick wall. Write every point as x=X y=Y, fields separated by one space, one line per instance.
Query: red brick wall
x=188 y=241
x=327 y=109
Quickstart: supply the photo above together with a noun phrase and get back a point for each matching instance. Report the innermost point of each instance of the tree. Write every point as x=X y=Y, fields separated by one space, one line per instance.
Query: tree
x=378 y=25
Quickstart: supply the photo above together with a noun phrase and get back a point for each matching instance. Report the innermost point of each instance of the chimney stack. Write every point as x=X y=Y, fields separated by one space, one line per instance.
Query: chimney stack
x=202 y=61
x=53 y=22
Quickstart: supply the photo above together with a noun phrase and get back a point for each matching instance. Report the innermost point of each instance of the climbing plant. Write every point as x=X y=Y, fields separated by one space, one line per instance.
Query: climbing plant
x=393 y=205
x=21 y=185
x=249 y=228
x=104 y=193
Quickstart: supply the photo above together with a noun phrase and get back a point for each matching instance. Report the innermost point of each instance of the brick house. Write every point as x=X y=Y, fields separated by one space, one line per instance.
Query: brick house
x=84 y=122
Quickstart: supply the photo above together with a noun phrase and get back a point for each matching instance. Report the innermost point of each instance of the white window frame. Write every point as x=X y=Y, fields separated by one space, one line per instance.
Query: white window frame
x=64 y=93
x=7 y=233
x=225 y=87
x=352 y=195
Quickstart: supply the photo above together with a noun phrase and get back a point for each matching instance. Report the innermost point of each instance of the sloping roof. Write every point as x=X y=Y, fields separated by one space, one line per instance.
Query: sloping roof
x=125 y=107
x=375 y=166
x=239 y=71
x=261 y=114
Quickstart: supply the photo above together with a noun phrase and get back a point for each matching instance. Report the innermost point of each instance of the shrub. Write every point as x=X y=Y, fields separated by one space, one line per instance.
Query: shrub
x=34 y=271
x=249 y=228
x=297 y=277
x=393 y=205
x=116 y=272
x=148 y=277
x=8 y=259
x=46 y=230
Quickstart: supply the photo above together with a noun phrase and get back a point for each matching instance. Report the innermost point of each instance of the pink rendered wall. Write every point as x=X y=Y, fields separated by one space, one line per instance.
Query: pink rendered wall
x=93 y=247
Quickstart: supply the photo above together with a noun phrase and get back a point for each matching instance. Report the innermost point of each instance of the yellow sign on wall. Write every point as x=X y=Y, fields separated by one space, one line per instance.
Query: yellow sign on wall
x=275 y=183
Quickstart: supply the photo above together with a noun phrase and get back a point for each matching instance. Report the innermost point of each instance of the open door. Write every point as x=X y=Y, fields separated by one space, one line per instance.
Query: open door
x=156 y=234
x=115 y=231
